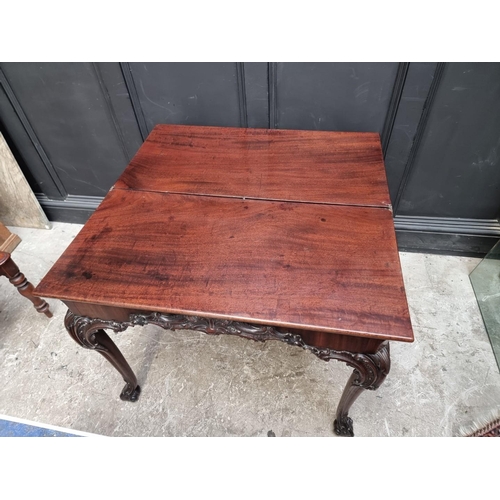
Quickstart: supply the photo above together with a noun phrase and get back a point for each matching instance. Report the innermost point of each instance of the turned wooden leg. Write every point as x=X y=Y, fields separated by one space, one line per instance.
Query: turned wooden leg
x=88 y=333
x=370 y=371
x=9 y=269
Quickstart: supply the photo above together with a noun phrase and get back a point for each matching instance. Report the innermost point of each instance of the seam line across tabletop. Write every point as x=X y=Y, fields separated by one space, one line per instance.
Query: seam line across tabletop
x=284 y=165
x=240 y=197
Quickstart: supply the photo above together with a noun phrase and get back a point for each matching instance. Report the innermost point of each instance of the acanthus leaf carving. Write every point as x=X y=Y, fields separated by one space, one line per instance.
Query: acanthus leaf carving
x=370 y=370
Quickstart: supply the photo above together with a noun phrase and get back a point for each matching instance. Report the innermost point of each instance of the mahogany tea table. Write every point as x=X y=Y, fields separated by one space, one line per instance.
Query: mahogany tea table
x=265 y=234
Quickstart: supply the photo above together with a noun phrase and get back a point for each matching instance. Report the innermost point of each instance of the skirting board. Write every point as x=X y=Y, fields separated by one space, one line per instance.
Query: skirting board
x=73 y=209
x=446 y=235
x=445 y=243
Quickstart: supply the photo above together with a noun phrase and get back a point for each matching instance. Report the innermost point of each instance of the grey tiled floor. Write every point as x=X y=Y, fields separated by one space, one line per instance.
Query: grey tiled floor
x=198 y=385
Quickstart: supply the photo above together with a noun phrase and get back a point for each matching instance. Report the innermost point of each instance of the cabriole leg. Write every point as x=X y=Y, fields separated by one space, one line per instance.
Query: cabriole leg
x=88 y=333
x=370 y=371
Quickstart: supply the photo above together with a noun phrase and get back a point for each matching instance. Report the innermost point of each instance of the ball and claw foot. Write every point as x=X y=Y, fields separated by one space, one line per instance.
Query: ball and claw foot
x=129 y=394
x=343 y=427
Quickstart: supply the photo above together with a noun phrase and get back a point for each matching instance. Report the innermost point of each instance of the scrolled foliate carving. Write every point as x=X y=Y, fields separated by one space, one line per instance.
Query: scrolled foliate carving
x=370 y=370
x=83 y=329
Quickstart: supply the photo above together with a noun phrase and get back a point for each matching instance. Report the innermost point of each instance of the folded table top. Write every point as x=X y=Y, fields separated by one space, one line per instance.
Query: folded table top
x=343 y=168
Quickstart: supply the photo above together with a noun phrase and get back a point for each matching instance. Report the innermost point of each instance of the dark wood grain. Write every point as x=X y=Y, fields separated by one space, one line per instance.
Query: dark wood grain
x=292 y=165
x=309 y=266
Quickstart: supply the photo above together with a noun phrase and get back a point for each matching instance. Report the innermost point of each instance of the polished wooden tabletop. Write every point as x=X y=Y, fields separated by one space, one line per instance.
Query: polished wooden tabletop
x=287 y=165
x=201 y=223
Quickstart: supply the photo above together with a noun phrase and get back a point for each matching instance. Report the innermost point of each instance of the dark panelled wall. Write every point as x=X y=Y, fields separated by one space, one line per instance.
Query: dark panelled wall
x=460 y=148
x=350 y=97
x=73 y=128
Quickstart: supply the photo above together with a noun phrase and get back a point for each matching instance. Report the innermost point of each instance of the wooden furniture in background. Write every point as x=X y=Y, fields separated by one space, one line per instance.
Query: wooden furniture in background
x=9 y=269
x=264 y=234
x=8 y=240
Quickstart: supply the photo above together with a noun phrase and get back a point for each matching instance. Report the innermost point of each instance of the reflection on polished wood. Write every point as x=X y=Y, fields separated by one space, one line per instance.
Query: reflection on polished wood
x=270 y=164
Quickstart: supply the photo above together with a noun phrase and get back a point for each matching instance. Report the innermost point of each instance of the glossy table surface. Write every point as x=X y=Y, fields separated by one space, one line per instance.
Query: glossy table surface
x=343 y=168
x=277 y=227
